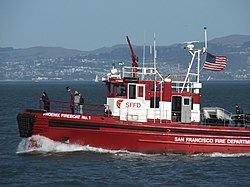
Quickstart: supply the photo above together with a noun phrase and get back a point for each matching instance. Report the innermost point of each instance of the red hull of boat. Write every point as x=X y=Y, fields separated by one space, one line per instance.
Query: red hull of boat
x=110 y=133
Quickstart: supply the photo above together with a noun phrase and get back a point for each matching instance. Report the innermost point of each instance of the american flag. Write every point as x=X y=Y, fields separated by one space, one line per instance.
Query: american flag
x=215 y=63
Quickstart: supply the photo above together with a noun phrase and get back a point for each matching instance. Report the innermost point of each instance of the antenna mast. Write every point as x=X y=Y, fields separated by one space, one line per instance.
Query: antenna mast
x=155 y=53
x=144 y=48
x=192 y=72
x=205 y=33
x=143 y=58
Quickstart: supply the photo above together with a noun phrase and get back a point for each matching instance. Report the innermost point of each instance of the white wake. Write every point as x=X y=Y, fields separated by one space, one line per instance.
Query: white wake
x=229 y=155
x=46 y=145
x=222 y=155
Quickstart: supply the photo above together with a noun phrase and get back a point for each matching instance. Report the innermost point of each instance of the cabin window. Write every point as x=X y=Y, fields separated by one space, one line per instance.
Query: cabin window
x=140 y=91
x=154 y=102
x=152 y=87
x=186 y=101
x=176 y=103
x=132 y=91
x=121 y=90
x=176 y=108
x=111 y=89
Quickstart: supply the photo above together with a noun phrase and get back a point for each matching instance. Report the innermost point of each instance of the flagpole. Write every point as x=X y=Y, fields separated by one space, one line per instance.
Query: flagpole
x=204 y=50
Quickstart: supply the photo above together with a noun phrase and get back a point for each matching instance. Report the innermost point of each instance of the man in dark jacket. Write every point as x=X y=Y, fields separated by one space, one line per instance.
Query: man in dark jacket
x=239 y=115
x=44 y=102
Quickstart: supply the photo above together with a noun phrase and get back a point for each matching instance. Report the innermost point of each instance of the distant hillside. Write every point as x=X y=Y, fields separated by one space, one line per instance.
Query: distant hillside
x=231 y=40
x=55 y=52
x=56 y=63
x=4 y=49
x=34 y=52
x=107 y=49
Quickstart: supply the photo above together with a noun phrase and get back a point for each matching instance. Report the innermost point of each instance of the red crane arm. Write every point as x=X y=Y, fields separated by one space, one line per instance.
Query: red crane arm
x=134 y=58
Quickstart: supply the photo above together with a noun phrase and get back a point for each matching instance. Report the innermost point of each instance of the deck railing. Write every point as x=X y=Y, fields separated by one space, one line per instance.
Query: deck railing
x=79 y=108
x=239 y=120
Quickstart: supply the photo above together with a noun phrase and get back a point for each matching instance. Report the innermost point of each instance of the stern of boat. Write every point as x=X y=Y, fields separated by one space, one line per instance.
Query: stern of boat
x=25 y=124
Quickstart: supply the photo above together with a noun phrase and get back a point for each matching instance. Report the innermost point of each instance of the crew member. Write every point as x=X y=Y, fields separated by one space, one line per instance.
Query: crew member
x=76 y=102
x=44 y=102
x=238 y=109
x=239 y=115
x=71 y=99
x=81 y=104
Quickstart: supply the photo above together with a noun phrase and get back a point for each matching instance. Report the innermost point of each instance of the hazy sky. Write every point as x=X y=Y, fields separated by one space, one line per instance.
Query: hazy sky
x=91 y=24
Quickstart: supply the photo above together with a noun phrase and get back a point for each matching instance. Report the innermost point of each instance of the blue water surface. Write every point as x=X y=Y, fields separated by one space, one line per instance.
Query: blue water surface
x=57 y=164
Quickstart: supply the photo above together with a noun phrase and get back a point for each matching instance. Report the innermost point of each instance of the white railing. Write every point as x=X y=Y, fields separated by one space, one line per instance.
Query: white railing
x=142 y=72
x=179 y=85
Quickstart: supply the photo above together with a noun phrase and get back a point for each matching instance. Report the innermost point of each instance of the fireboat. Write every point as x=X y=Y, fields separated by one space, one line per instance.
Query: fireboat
x=146 y=112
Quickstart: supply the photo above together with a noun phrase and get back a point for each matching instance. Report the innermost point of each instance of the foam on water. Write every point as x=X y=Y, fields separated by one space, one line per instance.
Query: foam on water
x=222 y=155
x=46 y=145
x=229 y=155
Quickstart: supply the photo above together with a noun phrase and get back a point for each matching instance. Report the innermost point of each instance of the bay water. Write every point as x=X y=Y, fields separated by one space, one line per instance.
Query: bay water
x=57 y=164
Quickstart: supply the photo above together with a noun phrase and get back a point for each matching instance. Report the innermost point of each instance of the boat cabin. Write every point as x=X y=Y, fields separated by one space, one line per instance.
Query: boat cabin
x=142 y=94
x=141 y=100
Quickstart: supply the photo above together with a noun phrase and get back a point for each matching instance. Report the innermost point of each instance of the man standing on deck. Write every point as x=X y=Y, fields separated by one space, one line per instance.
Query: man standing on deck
x=81 y=104
x=238 y=109
x=77 y=102
x=71 y=99
x=44 y=102
x=239 y=115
